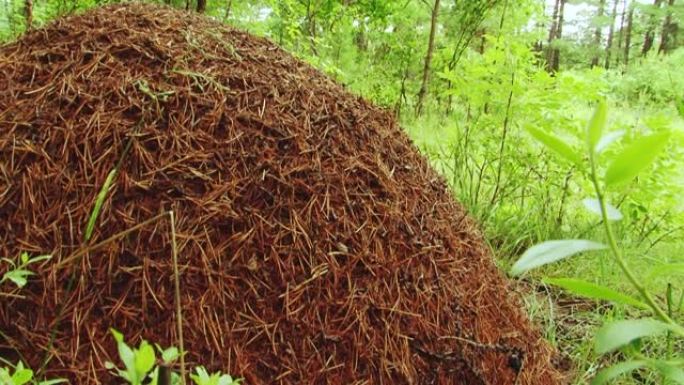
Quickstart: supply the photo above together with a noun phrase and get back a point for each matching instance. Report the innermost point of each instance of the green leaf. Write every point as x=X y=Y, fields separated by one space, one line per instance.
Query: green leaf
x=22 y=376
x=594 y=206
x=226 y=380
x=552 y=251
x=169 y=355
x=144 y=359
x=617 y=334
x=556 y=145
x=18 y=276
x=612 y=372
x=202 y=377
x=635 y=158
x=607 y=140
x=596 y=124
x=99 y=201
x=665 y=270
x=118 y=337
x=127 y=356
x=154 y=376
x=39 y=258
x=594 y=291
x=5 y=377
x=669 y=372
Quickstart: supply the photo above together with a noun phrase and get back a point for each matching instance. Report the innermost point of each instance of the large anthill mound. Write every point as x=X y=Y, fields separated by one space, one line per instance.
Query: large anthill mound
x=316 y=246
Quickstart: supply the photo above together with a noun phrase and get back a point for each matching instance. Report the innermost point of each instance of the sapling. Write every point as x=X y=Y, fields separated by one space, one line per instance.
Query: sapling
x=140 y=364
x=624 y=167
x=142 y=367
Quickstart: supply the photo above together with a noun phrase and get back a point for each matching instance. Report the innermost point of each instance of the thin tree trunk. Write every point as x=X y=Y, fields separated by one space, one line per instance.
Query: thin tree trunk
x=628 y=34
x=552 y=35
x=555 y=58
x=360 y=36
x=428 y=60
x=229 y=7
x=597 y=34
x=311 y=27
x=402 y=99
x=649 y=36
x=201 y=6
x=621 y=34
x=667 y=37
x=502 y=143
x=28 y=12
x=611 y=31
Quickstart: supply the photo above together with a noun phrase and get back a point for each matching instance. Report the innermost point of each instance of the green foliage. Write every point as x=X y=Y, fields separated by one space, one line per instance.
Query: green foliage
x=615 y=371
x=615 y=335
x=141 y=365
x=591 y=290
x=556 y=145
x=635 y=158
x=138 y=362
x=18 y=271
x=23 y=375
x=552 y=251
x=202 y=377
x=655 y=80
x=624 y=166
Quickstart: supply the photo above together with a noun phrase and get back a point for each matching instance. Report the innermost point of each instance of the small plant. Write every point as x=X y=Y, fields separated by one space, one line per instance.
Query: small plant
x=140 y=364
x=18 y=272
x=625 y=335
x=23 y=375
x=202 y=377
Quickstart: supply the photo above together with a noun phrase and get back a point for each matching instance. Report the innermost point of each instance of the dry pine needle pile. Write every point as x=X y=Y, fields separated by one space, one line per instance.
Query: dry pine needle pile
x=316 y=246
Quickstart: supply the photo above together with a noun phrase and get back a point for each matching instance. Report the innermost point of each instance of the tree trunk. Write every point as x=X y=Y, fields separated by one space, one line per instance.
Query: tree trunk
x=621 y=34
x=311 y=27
x=649 y=36
x=229 y=7
x=428 y=60
x=201 y=6
x=552 y=35
x=628 y=34
x=28 y=12
x=669 y=33
x=554 y=63
x=360 y=38
x=597 y=34
x=611 y=31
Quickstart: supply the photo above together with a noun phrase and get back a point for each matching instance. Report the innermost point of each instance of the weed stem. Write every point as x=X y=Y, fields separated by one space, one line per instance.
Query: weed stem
x=619 y=257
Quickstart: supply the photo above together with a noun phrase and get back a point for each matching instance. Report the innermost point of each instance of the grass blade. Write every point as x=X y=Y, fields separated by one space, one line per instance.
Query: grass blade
x=101 y=196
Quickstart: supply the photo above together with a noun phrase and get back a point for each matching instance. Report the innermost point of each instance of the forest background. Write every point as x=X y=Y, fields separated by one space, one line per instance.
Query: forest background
x=474 y=82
